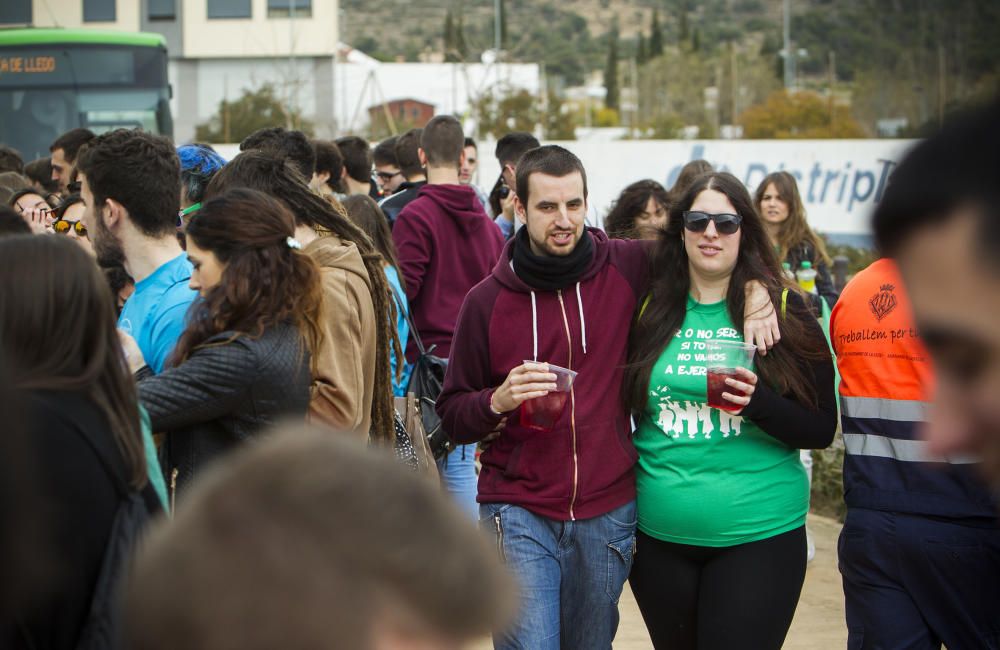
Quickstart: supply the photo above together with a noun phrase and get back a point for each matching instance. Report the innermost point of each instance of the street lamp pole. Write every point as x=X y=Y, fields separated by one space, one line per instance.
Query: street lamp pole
x=787 y=51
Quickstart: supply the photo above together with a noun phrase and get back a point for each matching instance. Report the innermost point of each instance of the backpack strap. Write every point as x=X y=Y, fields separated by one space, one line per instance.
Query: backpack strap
x=784 y=302
x=405 y=305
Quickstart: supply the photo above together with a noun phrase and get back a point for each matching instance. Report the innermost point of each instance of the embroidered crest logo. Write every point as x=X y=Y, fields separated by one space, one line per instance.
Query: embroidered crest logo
x=883 y=302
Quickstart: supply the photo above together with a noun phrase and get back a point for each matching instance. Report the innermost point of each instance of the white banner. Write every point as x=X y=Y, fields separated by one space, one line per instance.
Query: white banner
x=839 y=180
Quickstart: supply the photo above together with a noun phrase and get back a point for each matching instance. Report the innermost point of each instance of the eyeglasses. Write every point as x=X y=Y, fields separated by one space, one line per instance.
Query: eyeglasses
x=63 y=227
x=725 y=224
x=387 y=176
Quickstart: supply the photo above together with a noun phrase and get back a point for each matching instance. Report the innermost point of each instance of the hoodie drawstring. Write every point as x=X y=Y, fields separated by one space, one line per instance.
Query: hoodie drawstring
x=534 y=326
x=583 y=323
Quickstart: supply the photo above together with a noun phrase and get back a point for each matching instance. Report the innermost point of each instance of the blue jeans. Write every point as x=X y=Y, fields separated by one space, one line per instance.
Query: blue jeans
x=458 y=475
x=571 y=575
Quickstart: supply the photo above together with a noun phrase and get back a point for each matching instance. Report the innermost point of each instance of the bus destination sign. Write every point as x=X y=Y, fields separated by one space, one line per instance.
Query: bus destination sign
x=27 y=64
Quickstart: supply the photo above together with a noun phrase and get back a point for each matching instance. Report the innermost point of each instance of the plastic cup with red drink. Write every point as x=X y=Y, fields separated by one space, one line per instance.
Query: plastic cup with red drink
x=542 y=413
x=723 y=358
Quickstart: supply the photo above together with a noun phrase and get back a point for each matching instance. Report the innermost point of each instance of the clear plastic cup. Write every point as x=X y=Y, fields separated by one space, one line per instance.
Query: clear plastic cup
x=541 y=413
x=723 y=358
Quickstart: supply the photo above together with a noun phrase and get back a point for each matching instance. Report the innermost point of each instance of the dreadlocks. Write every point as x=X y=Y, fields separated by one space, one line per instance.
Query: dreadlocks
x=262 y=171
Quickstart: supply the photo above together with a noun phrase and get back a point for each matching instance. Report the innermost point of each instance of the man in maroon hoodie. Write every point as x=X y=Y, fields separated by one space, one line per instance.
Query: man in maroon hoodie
x=561 y=503
x=446 y=246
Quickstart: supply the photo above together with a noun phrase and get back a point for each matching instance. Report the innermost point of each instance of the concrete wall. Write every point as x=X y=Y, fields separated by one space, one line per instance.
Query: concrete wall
x=259 y=36
x=199 y=86
x=69 y=14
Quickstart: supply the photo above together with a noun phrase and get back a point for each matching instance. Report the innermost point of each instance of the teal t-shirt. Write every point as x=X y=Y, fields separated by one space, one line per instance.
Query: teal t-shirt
x=706 y=477
x=155 y=314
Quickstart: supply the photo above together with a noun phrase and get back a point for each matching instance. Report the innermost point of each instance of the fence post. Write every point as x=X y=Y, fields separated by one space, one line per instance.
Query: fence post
x=839 y=272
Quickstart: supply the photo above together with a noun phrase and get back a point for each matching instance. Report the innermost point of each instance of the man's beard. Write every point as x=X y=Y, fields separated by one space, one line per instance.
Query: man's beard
x=107 y=247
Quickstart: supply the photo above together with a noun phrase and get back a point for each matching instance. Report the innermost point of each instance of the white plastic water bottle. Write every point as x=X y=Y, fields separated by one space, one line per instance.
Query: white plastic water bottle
x=807 y=277
x=786 y=267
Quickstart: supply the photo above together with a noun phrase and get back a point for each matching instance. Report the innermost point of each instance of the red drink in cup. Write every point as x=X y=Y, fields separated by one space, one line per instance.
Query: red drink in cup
x=717 y=385
x=542 y=413
x=723 y=358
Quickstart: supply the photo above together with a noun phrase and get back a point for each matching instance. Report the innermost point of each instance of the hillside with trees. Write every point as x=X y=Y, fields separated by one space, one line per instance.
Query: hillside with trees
x=674 y=63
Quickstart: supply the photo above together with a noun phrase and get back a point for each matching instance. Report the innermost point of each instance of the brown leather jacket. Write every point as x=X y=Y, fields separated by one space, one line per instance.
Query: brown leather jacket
x=344 y=379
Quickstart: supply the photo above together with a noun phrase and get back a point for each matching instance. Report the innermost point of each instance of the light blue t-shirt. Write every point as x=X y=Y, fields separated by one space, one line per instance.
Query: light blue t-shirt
x=155 y=314
x=402 y=328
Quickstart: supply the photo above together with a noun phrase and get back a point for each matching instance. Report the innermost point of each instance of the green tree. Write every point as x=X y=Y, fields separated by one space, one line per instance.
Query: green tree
x=558 y=120
x=501 y=114
x=801 y=115
x=655 y=36
x=460 y=46
x=641 y=55
x=255 y=109
x=682 y=21
x=449 y=38
x=695 y=40
x=611 y=72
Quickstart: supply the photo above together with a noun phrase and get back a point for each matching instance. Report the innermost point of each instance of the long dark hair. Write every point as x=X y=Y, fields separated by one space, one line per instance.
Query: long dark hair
x=671 y=284
x=261 y=171
x=58 y=332
x=365 y=213
x=265 y=282
x=66 y=204
x=795 y=230
x=620 y=222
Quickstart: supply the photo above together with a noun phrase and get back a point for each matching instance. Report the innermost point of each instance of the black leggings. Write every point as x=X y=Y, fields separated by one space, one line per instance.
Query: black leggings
x=703 y=598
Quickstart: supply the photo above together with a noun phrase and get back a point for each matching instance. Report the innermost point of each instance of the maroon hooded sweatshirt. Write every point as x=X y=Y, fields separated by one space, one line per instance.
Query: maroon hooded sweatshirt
x=584 y=467
x=446 y=245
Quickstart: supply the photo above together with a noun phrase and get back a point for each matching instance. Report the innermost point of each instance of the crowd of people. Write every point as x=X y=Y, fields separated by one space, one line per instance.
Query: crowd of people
x=205 y=369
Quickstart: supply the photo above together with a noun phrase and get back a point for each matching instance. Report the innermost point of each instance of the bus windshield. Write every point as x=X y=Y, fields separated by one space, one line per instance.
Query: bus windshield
x=48 y=89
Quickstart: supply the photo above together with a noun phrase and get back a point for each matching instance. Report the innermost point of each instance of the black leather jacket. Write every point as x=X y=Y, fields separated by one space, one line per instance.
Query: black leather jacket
x=225 y=393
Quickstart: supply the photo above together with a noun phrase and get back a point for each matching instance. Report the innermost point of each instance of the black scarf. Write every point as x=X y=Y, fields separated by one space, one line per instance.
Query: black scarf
x=547 y=273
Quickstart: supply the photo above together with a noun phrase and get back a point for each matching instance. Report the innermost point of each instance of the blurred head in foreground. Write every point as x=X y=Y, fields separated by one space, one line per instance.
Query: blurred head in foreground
x=310 y=540
x=940 y=219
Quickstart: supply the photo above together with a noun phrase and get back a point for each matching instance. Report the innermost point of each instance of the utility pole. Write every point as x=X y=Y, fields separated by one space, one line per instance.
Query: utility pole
x=292 y=76
x=941 y=84
x=787 y=52
x=833 y=85
x=497 y=9
x=735 y=81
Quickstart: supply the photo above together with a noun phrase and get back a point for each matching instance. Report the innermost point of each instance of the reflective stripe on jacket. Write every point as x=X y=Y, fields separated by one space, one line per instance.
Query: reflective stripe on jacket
x=886 y=387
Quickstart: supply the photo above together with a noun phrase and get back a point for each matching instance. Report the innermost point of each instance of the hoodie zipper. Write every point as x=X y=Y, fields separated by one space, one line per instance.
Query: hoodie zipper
x=572 y=408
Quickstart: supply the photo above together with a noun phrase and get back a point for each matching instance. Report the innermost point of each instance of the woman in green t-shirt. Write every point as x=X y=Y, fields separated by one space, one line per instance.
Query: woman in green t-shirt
x=722 y=496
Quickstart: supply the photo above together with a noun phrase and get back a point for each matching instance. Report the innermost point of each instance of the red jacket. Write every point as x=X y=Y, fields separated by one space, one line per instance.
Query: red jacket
x=446 y=246
x=584 y=468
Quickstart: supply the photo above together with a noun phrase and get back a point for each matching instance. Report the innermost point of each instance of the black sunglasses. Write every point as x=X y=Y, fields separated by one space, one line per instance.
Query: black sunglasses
x=725 y=224
x=387 y=176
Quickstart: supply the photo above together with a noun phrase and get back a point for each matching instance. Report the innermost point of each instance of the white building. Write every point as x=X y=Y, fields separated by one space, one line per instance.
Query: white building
x=452 y=88
x=217 y=48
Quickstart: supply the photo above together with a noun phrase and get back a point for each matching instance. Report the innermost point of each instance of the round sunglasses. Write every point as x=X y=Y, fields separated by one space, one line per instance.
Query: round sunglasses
x=63 y=227
x=725 y=224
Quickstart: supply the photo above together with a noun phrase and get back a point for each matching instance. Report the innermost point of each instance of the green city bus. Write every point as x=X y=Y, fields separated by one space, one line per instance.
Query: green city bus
x=53 y=80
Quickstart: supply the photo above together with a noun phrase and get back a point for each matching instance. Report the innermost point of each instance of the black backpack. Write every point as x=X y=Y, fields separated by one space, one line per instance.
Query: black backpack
x=426 y=382
x=103 y=627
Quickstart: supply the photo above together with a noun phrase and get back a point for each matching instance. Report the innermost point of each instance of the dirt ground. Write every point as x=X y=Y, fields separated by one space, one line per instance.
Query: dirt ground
x=819 y=619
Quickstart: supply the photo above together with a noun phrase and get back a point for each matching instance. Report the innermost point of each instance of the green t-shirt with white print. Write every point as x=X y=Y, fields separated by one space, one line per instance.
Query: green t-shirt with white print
x=706 y=477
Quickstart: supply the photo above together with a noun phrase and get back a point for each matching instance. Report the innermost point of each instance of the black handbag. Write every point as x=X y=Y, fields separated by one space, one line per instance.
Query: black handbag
x=426 y=382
